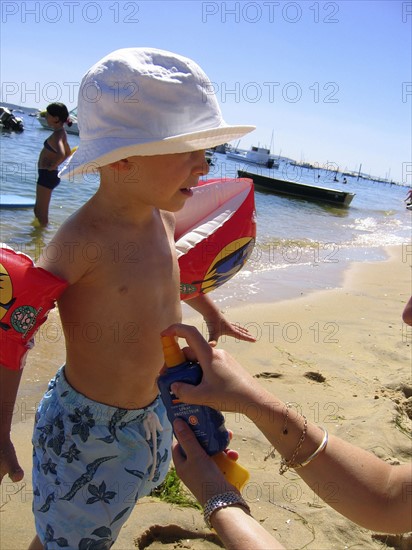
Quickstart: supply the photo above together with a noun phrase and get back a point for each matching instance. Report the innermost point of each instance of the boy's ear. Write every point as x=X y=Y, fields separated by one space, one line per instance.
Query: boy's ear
x=120 y=165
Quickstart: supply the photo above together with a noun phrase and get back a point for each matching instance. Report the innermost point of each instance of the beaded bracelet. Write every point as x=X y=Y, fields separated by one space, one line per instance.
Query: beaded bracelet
x=321 y=447
x=230 y=498
x=286 y=464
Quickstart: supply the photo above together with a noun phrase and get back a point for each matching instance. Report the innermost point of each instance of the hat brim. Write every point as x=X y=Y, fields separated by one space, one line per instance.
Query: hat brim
x=91 y=154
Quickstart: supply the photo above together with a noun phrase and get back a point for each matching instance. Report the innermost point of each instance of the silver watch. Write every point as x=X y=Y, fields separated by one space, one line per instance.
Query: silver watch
x=222 y=501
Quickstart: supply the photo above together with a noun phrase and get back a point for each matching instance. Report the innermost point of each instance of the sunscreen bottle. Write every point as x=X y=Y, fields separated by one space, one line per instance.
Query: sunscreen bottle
x=207 y=423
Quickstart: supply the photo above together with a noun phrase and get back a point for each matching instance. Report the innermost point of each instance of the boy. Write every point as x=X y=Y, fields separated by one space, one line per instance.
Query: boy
x=101 y=437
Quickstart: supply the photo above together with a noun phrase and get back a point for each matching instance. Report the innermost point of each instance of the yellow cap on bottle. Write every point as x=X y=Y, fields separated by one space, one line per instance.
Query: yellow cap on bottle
x=232 y=470
x=235 y=474
x=173 y=354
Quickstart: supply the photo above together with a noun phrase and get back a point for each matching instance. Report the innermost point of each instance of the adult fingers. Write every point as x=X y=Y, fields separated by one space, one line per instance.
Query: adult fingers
x=187 y=439
x=201 y=348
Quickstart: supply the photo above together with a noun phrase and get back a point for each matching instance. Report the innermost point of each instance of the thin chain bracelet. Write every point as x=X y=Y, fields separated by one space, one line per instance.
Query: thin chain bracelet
x=271 y=452
x=286 y=464
x=285 y=423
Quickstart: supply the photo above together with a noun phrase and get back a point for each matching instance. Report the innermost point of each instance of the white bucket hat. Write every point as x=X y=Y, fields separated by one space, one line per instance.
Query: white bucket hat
x=144 y=101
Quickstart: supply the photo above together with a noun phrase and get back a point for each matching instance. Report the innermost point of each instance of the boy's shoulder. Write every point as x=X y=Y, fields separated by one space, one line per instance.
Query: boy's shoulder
x=72 y=227
x=64 y=254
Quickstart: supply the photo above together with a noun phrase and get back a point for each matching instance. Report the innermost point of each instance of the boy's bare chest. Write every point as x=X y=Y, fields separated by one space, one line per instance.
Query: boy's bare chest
x=123 y=269
x=127 y=284
x=132 y=262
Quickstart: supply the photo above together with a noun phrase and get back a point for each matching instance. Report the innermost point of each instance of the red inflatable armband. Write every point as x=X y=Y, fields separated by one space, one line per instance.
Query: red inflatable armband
x=215 y=234
x=27 y=294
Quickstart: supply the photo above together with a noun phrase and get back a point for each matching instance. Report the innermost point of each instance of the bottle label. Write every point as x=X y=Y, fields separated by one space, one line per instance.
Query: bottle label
x=206 y=423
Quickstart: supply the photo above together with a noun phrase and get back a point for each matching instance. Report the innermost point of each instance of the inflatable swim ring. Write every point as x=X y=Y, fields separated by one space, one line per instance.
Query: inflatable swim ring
x=215 y=234
x=27 y=294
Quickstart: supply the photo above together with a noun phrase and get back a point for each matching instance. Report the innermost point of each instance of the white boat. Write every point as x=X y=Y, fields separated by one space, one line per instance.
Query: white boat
x=255 y=155
x=73 y=129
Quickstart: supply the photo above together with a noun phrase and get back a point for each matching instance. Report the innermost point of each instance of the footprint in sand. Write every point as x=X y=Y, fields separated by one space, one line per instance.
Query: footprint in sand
x=398 y=542
x=315 y=376
x=177 y=537
x=401 y=395
x=268 y=375
x=406 y=389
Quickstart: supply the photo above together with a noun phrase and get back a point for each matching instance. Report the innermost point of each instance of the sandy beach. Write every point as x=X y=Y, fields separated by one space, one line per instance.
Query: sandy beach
x=342 y=356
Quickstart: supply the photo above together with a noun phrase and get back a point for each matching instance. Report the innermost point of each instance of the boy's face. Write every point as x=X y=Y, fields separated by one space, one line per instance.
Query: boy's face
x=165 y=181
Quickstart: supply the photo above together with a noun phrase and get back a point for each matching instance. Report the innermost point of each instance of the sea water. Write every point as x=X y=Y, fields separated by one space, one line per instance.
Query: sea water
x=301 y=246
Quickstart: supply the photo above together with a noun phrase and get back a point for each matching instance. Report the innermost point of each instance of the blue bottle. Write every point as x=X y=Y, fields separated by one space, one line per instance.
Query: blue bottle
x=207 y=423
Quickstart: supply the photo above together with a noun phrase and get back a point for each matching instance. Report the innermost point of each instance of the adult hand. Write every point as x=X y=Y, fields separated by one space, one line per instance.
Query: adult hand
x=225 y=384
x=195 y=467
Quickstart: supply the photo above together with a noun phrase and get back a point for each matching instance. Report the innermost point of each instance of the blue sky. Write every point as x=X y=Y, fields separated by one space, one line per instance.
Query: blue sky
x=331 y=80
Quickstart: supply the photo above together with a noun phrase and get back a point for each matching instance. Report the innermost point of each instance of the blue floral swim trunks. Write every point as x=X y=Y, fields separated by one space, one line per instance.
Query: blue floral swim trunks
x=91 y=463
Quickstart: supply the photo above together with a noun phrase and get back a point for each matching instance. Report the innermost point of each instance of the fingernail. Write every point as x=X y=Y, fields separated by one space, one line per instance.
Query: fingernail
x=179 y=425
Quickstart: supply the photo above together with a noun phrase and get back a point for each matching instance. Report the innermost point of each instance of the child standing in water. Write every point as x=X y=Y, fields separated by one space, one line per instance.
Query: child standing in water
x=101 y=437
x=55 y=151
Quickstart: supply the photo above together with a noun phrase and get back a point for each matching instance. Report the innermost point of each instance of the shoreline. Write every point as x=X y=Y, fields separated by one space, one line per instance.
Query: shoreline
x=293 y=280
x=322 y=270
x=341 y=354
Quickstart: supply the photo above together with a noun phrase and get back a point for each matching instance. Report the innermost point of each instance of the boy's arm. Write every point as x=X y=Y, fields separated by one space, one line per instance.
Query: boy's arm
x=216 y=322
x=9 y=384
x=22 y=283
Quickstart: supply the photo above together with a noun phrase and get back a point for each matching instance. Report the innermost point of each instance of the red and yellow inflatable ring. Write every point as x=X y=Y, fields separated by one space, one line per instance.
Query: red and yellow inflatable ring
x=215 y=234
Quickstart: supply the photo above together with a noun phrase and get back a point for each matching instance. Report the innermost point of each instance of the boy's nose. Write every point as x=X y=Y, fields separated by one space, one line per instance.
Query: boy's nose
x=201 y=165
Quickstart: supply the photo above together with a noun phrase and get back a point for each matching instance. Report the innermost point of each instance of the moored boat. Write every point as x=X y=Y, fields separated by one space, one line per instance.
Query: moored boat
x=295 y=189
x=8 y=121
x=210 y=156
x=255 y=155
